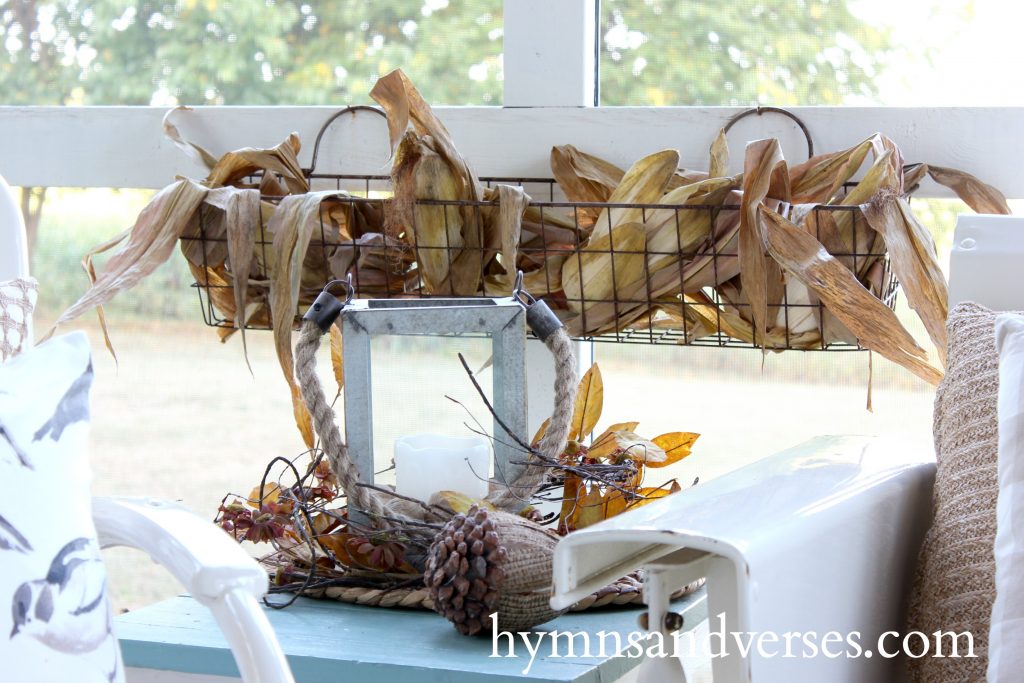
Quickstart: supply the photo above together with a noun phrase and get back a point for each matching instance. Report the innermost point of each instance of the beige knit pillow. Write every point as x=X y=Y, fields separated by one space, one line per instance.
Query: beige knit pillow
x=955 y=585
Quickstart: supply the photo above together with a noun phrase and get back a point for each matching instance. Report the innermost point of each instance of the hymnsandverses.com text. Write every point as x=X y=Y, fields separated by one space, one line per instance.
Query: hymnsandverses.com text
x=717 y=643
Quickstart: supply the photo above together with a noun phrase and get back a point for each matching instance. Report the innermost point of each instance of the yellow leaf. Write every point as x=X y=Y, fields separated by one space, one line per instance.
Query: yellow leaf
x=589 y=508
x=589 y=401
x=337 y=355
x=541 y=432
x=614 y=503
x=303 y=420
x=460 y=502
x=632 y=445
x=569 y=493
x=676 y=445
x=649 y=495
x=271 y=493
x=617 y=427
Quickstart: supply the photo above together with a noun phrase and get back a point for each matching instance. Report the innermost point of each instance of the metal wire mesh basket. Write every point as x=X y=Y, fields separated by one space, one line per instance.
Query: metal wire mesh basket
x=670 y=306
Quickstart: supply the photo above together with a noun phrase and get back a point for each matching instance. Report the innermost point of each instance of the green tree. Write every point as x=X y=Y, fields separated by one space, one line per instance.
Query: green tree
x=771 y=52
x=298 y=52
x=302 y=52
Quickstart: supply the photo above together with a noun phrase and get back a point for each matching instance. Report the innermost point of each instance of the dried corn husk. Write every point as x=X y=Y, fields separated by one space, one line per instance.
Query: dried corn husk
x=235 y=166
x=427 y=166
x=584 y=178
x=644 y=183
x=240 y=215
x=609 y=265
x=718 y=166
x=292 y=227
x=819 y=179
x=764 y=174
x=508 y=224
x=980 y=196
x=915 y=262
x=675 y=233
x=875 y=325
x=148 y=244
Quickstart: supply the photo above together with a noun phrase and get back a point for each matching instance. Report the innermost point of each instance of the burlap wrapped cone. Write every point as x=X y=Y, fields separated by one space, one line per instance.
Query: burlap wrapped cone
x=487 y=562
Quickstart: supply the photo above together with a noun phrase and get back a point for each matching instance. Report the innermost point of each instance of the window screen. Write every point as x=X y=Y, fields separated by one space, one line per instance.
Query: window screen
x=809 y=52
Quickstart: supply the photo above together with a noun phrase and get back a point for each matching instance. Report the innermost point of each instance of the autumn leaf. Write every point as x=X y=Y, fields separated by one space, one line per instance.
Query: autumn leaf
x=460 y=502
x=628 y=444
x=337 y=356
x=677 y=445
x=358 y=551
x=615 y=502
x=541 y=432
x=570 y=491
x=607 y=434
x=651 y=494
x=271 y=494
x=589 y=508
x=589 y=402
x=323 y=523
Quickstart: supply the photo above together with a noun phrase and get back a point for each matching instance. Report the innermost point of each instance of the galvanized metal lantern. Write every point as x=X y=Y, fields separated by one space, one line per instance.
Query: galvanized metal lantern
x=503 y=319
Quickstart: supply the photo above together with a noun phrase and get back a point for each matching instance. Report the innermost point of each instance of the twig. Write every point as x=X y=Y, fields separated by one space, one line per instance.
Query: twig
x=497 y=418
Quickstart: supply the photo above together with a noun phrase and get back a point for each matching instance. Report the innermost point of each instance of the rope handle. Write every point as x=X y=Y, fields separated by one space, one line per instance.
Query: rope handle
x=509 y=496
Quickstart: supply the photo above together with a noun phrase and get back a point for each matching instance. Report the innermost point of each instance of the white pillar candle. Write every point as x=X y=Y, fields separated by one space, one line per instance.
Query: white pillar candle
x=428 y=463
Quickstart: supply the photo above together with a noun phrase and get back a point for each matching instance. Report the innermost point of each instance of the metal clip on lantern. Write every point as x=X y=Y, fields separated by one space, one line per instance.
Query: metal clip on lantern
x=512 y=552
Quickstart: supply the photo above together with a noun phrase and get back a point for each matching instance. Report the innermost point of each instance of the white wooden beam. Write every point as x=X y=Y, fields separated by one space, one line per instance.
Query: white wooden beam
x=125 y=146
x=549 y=58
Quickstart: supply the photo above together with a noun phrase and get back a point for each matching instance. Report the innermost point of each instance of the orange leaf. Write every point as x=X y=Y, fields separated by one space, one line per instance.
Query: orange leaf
x=676 y=445
x=350 y=549
x=322 y=523
x=303 y=420
x=589 y=401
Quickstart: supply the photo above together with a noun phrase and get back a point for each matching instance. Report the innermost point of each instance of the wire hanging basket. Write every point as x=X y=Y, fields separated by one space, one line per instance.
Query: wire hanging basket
x=688 y=294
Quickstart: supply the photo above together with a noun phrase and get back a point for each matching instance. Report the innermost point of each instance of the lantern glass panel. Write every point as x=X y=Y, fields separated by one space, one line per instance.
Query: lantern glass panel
x=411 y=378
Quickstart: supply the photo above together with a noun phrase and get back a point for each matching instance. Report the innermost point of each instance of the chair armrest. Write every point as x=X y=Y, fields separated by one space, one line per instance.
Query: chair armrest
x=822 y=537
x=212 y=567
x=202 y=557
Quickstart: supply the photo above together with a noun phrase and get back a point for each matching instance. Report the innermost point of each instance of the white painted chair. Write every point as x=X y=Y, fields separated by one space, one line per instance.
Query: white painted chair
x=211 y=566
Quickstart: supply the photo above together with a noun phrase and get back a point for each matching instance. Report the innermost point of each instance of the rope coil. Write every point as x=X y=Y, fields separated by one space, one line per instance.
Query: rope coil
x=378 y=503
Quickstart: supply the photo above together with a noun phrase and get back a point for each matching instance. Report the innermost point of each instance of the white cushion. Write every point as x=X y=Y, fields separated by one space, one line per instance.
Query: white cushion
x=55 y=620
x=1006 y=635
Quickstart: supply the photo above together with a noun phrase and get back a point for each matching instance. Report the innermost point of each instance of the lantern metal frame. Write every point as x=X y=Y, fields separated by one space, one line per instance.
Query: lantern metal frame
x=502 y=319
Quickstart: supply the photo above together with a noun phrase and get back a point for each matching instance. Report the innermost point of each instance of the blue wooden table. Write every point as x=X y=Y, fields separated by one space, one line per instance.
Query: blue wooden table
x=328 y=641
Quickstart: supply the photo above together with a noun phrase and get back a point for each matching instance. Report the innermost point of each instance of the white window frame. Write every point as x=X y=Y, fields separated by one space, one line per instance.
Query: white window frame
x=549 y=85
x=548 y=100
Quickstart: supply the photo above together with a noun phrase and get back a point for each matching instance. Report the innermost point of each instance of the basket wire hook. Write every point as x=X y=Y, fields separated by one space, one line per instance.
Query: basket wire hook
x=760 y=111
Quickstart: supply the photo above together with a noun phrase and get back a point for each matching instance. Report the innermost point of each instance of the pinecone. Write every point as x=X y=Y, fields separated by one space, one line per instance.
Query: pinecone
x=488 y=561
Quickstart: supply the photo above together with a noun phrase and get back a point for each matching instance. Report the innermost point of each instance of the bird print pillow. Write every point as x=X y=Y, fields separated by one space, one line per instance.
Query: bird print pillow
x=55 y=617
